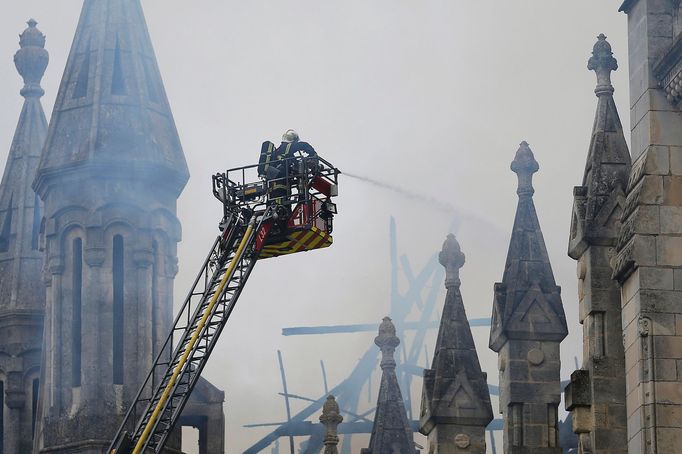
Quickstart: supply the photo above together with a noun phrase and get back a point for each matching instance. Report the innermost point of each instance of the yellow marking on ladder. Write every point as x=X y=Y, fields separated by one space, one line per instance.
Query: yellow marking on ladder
x=193 y=340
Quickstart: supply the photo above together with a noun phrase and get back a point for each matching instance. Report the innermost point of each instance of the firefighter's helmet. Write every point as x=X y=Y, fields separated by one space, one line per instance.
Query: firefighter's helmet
x=290 y=136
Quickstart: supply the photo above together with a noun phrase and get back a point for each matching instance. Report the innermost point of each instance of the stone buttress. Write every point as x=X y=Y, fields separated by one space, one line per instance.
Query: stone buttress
x=528 y=325
x=455 y=407
x=22 y=291
x=391 y=432
x=649 y=251
x=596 y=393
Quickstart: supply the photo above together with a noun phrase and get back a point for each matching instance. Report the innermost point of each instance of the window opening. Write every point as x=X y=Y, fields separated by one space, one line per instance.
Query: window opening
x=118 y=279
x=76 y=323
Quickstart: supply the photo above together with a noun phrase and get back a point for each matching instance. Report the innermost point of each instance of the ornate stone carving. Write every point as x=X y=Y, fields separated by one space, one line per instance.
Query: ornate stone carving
x=331 y=418
x=32 y=59
x=602 y=62
x=462 y=441
x=524 y=166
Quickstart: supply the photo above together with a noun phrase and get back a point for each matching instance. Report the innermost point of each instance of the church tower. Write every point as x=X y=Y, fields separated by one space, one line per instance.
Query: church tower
x=528 y=325
x=22 y=294
x=596 y=393
x=109 y=176
x=649 y=252
x=455 y=407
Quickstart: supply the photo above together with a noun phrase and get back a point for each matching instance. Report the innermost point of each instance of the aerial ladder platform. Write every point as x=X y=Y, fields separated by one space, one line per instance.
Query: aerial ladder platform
x=289 y=211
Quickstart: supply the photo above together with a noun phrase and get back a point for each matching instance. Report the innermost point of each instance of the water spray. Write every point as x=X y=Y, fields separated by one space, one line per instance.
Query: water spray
x=444 y=206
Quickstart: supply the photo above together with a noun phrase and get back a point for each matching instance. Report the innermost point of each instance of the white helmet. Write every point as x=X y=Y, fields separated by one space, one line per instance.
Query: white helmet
x=290 y=136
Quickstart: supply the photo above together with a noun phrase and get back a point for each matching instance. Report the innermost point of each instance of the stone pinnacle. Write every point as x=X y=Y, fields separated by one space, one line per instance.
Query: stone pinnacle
x=524 y=166
x=31 y=60
x=331 y=418
x=387 y=341
x=452 y=258
x=602 y=63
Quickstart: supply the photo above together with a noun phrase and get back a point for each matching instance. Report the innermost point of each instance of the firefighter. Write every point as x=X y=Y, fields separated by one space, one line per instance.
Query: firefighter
x=276 y=166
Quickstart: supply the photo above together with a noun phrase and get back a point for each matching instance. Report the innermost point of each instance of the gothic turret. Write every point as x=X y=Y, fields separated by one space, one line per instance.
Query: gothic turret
x=22 y=292
x=598 y=388
x=528 y=324
x=109 y=176
x=391 y=431
x=455 y=398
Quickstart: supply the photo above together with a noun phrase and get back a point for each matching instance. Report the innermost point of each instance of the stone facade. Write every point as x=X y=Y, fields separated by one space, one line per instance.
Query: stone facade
x=455 y=408
x=22 y=298
x=528 y=324
x=596 y=393
x=649 y=252
x=109 y=176
x=391 y=432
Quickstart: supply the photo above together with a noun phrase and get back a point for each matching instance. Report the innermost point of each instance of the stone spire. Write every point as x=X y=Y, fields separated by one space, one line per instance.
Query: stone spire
x=109 y=176
x=391 y=431
x=598 y=387
x=455 y=398
x=22 y=292
x=600 y=200
x=331 y=418
x=20 y=209
x=528 y=324
x=528 y=281
x=111 y=109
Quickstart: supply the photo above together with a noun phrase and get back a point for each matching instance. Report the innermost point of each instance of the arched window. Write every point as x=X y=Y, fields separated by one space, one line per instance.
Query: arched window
x=118 y=280
x=35 y=387
x=37 y=218
x=76 y=321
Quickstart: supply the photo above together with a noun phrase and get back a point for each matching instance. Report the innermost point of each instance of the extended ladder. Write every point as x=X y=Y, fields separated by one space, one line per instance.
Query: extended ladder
x=184 y=354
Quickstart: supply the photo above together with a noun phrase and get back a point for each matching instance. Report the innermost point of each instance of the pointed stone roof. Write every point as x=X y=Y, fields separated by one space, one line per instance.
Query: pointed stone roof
x=455 y=389
x=600 y=201
x=527 y=302
x=20 y=210
x=111 y=112
x=391 y=431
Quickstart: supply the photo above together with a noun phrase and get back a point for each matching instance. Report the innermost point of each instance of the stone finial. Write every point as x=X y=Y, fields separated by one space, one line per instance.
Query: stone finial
x=331 y=418
x=452 y=258
x=387 y=341
x=31 y=60
x=602 y=63
x=524 y=166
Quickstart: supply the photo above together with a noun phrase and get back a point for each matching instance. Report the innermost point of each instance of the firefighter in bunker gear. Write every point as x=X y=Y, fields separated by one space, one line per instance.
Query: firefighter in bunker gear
x=273 y=166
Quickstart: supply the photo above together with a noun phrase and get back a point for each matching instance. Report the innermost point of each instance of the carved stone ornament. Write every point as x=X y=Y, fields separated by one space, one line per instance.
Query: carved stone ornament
x=535 y=356
x=462 y=441
x=644 y=326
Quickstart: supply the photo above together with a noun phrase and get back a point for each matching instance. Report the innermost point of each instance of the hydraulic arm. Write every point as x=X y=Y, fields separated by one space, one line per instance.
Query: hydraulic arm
x=258 y=223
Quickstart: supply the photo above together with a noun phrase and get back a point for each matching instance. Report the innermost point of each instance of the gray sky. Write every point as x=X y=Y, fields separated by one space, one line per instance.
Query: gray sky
x=433 y=96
